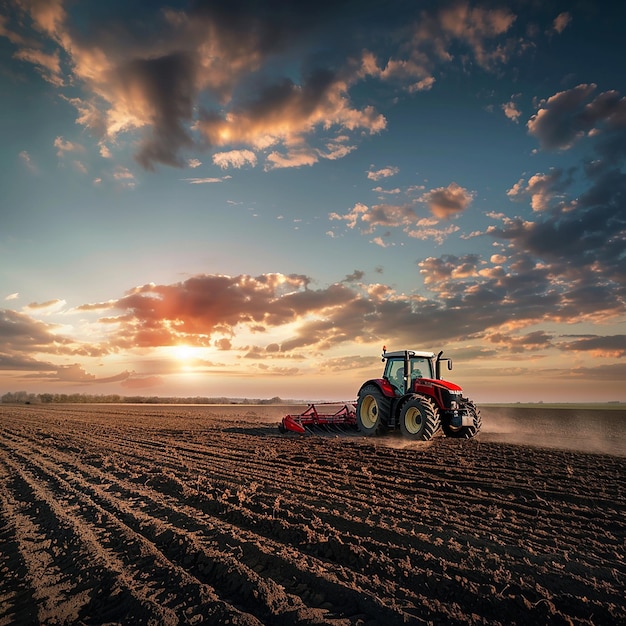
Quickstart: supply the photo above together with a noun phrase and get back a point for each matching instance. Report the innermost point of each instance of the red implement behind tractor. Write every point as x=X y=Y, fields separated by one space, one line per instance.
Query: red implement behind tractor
x=345 y=417
x=411 y=396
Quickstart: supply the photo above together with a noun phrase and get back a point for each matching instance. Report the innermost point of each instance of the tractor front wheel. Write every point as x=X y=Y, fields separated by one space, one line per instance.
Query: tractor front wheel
x=419 y=419
x=372 y=411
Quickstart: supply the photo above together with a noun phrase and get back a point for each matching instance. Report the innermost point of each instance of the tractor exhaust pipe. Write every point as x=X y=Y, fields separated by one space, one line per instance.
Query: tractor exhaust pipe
x=438 y=364
x=407 y=371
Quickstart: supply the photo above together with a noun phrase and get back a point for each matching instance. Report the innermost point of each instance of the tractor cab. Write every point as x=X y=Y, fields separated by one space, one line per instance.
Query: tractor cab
x=404 y=367
x=419 y=366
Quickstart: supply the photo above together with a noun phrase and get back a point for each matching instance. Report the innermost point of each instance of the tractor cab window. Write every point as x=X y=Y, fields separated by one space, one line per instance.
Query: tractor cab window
x=394 y=373
x=420 y=368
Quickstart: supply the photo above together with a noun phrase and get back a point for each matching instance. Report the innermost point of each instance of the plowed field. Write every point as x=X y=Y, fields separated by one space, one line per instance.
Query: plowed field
x=188 y=515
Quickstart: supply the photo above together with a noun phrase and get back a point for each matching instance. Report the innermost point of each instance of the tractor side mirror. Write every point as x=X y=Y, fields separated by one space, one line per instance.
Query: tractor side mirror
x=449 y=364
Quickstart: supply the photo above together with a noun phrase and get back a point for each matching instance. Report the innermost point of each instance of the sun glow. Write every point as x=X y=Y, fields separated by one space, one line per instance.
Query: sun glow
x=183 y=352
x=187 y=356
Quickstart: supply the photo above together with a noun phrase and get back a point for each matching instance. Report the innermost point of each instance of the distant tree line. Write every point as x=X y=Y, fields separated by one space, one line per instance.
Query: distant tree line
x=23 y=397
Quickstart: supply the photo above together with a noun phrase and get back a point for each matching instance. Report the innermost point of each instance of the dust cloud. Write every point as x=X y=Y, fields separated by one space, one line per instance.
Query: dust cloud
x=592 y=430
x=598 y=431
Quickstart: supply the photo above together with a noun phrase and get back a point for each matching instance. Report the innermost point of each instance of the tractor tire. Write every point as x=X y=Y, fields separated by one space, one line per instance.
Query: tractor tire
x=419 y=419
x=465 y=432
x=372 y=411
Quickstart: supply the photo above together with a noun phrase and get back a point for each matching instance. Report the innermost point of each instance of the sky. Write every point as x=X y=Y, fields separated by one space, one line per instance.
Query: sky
x=249 y=199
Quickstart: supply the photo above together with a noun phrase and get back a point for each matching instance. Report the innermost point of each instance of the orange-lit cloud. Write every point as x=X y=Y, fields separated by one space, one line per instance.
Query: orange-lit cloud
x=443 y=203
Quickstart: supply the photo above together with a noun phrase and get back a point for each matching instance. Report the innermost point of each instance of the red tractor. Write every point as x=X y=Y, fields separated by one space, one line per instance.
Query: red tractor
x=411 y=396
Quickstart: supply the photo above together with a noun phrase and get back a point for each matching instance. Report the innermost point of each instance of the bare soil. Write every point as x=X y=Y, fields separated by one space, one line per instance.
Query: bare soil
x=118 y=514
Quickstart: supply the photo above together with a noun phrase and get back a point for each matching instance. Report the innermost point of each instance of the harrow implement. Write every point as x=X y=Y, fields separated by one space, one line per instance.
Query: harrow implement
x=312 y=420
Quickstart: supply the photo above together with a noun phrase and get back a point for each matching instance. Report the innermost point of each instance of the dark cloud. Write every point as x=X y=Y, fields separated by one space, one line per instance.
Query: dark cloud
x=21 y=333
x=22 y=362
x=608 y=346
x=561 y=119
x=356 y=276
x=569 y=115
x=22 y=337
x=534 y=342
x=168 y=89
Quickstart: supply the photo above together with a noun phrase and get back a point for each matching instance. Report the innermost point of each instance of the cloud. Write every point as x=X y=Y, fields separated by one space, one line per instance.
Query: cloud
x=444 y=202
x=79 y=166
x=427 y=229
x=26 y=159
x=64 y=146
x=167 y=314
x=294 y=158
x=17 y=361
x=75 y=373
x=284 y=112
x=536 y=341
x=480 y=32
x=378 y=216
x=48 y=65
x=610 y=346
x=21 y=333
x=562 y=21
x=234 y=158
x=567 y=116
x=384 y=172
x=22 y=336
x=142 y=382
x=438 y=272
x=511 y=111
x=356 y=276
x=46 y=307
x=542 y=189
x=204 y=181
x=124 y=177
x=477 y=27
x=581 y=241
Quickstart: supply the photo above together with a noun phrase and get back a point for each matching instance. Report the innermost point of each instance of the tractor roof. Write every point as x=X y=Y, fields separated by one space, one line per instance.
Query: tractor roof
x=400 y=354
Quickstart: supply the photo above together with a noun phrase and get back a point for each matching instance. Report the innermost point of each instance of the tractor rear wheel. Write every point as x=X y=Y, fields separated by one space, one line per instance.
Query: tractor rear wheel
x=465 y=432
x=419 y=419
x=372 y=411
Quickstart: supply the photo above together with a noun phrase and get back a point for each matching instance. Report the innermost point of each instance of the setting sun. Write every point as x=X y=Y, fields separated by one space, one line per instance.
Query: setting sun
x=187 y=357
x=183 y=352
